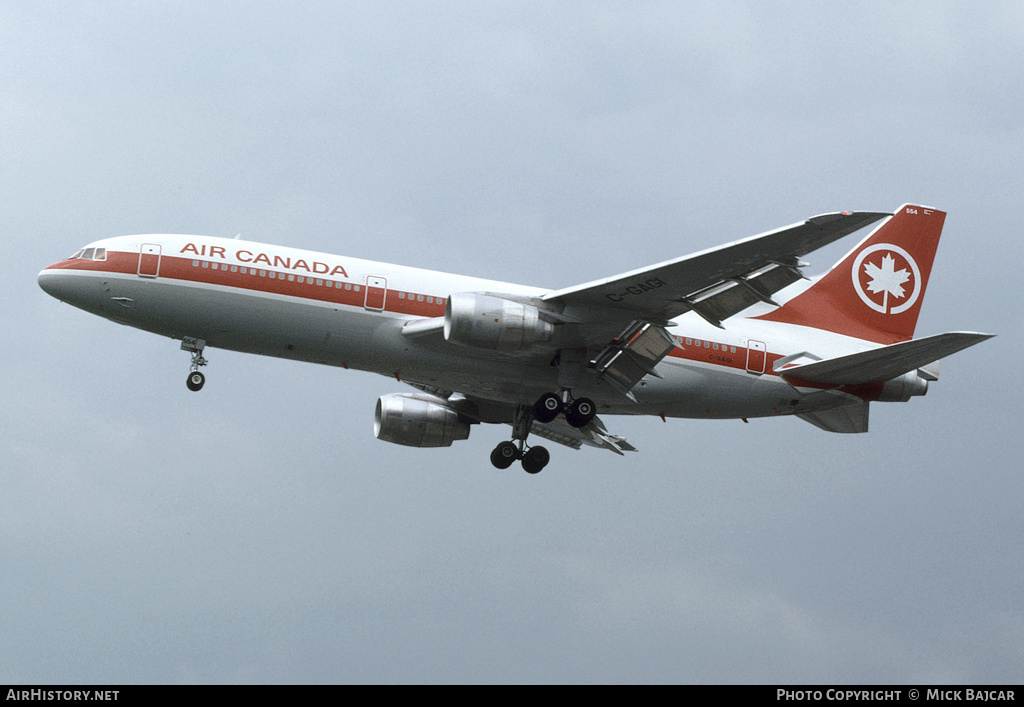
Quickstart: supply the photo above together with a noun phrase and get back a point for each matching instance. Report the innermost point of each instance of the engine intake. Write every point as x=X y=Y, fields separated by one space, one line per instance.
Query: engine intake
x=495 y=323
x=417 y=421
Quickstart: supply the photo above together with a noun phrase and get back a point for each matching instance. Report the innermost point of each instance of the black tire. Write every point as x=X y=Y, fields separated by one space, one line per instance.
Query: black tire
x=195 y=381
x=535 y=459
x=547 y=407
x=504 y=454
x=582 y=411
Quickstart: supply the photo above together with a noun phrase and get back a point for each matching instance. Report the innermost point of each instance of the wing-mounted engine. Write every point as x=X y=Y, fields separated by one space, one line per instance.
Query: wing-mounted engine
x=496 y=323
x=417 y=421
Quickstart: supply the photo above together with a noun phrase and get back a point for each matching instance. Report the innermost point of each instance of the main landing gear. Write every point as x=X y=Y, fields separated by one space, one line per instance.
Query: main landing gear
x=534 y=458
x=578 y=413
x=195 y=378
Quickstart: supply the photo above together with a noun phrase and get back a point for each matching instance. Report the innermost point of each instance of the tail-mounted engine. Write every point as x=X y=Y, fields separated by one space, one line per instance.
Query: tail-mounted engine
x=495 y=323
x=903 y=388
x=417 y=421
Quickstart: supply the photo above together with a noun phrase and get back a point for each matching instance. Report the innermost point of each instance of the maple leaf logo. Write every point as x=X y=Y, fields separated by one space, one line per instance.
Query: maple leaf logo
x=887 y=279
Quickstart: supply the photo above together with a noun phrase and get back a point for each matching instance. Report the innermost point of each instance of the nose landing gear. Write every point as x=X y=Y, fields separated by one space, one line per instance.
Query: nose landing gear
x=196 y=379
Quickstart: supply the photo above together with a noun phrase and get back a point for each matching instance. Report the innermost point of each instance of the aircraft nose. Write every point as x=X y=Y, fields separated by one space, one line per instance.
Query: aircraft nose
x=57 y=284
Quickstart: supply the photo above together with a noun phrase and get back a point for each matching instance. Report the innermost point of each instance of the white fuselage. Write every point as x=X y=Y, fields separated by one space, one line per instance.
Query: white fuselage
x=347 y=312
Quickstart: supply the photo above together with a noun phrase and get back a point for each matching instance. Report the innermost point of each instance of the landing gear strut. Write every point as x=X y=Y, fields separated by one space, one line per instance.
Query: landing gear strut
x=195 y=380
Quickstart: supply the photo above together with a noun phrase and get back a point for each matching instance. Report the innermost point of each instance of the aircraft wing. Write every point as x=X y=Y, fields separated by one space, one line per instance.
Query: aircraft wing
x=719 y=282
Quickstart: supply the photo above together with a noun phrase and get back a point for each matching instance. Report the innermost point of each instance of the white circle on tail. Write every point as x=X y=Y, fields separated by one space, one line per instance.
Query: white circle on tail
x=882 y=281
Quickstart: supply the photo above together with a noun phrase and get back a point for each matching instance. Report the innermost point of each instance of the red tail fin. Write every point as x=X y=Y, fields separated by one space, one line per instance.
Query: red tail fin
x=875 y=292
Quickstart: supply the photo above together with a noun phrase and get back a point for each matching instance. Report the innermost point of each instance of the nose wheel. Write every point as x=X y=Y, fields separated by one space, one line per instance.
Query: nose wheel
x=195 y=380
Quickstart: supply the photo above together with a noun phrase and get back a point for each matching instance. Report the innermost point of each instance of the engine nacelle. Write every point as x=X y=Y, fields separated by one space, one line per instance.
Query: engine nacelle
x=494 y=323
x=417 y=421
x=902 y=389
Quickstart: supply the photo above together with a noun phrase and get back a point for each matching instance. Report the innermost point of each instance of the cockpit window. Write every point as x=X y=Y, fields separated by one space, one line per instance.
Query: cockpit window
x=90 y=254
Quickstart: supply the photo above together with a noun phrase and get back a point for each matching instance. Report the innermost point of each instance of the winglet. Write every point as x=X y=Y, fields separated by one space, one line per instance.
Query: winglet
x=875 y=292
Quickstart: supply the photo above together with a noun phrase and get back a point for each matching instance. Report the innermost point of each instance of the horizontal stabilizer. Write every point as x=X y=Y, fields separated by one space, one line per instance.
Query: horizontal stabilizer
x=848 y=419
x=884 y=363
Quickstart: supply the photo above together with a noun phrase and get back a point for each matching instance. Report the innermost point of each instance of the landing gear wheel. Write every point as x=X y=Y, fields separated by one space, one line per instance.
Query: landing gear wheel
x=535 y=459
x=504 y=454
x=195 y=380
x=580 y=412
x=547 y=407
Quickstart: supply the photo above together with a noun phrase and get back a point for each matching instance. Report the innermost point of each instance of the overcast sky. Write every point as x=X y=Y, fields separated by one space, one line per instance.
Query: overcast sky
x=257 y=532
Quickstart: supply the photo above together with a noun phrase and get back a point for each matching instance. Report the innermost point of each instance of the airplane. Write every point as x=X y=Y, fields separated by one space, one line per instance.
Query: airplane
x=666 y=340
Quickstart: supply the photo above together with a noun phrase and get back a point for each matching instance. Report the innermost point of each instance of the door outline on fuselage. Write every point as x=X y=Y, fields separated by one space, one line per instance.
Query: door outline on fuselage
x=756 y=356
x=376 y=293
x=149 y=260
